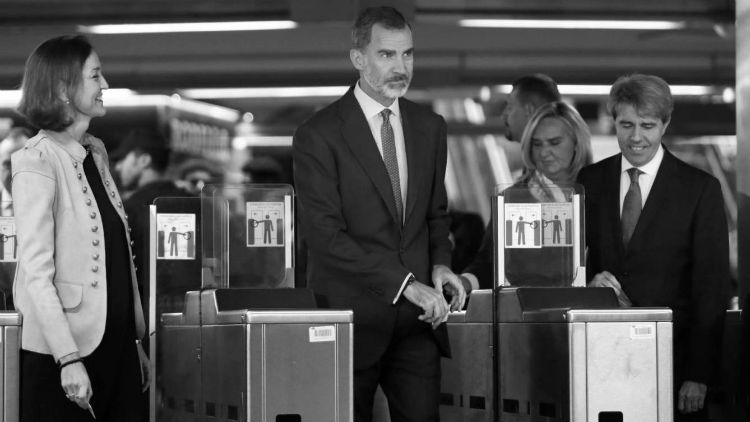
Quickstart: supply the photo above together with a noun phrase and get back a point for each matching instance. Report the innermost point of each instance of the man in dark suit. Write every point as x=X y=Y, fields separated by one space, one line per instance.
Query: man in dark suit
x=369 y=171
x=657 y=234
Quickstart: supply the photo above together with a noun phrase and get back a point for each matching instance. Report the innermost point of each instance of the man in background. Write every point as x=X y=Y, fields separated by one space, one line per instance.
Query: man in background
x=140 y=162
x=529 y=93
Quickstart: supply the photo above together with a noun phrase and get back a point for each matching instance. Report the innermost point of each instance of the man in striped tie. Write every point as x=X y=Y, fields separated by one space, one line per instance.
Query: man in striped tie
x=657 y=234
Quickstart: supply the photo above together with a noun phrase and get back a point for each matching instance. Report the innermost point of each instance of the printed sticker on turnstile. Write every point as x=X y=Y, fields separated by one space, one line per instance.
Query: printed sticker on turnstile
x=523 y=228
x=323 y=333
x=265 y=224
x=175 y=236
x=557 y=224
x=8 y=244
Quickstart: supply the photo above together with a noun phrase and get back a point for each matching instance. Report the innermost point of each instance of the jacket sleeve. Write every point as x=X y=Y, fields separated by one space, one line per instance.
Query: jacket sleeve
x=482 y=264
x=709 y=285
x=438 y=219
x=325 y=229
x=34 y=197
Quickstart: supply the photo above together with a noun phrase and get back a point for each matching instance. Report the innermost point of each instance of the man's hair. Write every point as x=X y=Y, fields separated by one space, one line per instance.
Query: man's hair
x=145 y=141
x=54 y=65
x=385 y=16
x=648 y=94
x=536 y=89
x=577 y=129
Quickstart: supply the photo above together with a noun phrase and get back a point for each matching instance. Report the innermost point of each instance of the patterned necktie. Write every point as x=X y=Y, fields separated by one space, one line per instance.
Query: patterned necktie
x=631 y=207
x=390 y=160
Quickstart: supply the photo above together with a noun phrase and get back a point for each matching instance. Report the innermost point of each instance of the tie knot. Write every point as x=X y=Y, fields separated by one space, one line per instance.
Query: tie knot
x=634 y=172
x=385 y=113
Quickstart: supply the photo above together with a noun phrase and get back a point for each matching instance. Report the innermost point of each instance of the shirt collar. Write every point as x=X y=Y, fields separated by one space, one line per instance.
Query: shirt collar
x=370 y=107
x=649 y=168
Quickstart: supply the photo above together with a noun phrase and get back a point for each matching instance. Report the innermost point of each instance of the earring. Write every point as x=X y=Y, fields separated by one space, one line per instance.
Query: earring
x=67 y=101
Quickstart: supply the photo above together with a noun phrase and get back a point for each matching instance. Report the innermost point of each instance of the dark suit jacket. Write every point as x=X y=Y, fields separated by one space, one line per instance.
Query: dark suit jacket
x=359 y=252
x=678 y=255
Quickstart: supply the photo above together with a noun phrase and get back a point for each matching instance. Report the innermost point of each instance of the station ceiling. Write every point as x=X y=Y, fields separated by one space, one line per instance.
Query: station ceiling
x=315 y=53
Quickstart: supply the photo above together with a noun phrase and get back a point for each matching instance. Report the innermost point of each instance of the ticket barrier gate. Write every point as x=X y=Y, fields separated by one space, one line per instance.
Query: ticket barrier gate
x=262 y=355
x=10 y=336
x=562 y=354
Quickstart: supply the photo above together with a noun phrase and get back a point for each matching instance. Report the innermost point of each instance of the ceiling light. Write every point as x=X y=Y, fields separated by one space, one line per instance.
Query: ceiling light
x=677 y=90
x=129 y=98
x=277 y=92
x=572 y=24
x=150 y=28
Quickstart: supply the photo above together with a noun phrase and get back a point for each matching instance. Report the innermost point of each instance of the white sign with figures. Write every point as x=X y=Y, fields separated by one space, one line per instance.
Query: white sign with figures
x=8 y=244
x=557 y=222
x=175 y=236
x=523 y=225
x=264 y=224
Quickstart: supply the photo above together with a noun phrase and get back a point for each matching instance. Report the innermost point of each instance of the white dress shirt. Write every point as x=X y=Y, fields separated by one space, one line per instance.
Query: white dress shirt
x=372 y=110
x=646 y=179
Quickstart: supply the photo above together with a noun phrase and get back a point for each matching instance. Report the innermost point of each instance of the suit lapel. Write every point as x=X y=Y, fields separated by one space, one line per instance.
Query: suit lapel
x=414 y=141
x=659 y=190
x=357 y=134
x=611 y=199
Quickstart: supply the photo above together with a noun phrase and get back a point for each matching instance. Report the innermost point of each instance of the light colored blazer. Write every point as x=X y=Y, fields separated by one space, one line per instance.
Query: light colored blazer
x=60 y=285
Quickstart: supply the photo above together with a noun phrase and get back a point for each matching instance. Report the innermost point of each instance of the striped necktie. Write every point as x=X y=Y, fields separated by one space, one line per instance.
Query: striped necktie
x=390 y=160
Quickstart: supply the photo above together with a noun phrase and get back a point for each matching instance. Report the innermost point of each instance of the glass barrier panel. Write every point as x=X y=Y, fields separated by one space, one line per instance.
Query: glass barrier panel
x=248 y=236
x=8 y=255
x=539 y=235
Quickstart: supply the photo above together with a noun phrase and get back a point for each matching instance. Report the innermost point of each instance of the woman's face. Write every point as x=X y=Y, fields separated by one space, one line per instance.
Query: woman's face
x=87 y=99
x=553 y=149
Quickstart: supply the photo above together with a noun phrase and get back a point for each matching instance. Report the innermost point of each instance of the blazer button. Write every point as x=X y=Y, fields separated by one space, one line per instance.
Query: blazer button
x=130 y=229
x=119 y=204
x=132 y=243
x=85 y=189
x=106 y=182
x=95 y=242
x=95 y=268
x=88 y=201
x=112 y=194
x=79 y=175
x=95 y=256
x=94 y=283
x=126 y=216
x=75 y=164
x=92 y=215
x=94 y=229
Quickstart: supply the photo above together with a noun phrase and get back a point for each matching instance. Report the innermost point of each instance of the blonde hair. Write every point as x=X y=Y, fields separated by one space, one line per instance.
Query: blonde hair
x=578 y=130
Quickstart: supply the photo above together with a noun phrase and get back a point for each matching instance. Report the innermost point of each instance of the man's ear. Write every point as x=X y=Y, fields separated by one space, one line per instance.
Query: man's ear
x=529 y=109
x=666 y=125
x=143 y=160
x=357 y=58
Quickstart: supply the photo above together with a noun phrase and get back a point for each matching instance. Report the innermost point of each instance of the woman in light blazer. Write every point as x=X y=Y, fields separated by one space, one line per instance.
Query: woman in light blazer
x=75 y=284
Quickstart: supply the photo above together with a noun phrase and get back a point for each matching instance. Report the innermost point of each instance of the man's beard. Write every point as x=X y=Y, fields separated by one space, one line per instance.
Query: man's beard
x=387 y=91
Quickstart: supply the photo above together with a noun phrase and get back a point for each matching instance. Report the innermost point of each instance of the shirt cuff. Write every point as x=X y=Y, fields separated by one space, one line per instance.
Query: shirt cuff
x=403 y=286
x=472 y=279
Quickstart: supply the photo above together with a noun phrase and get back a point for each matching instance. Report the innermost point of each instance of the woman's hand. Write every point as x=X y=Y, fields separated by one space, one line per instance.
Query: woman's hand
x=76 y=384
x=145 y=367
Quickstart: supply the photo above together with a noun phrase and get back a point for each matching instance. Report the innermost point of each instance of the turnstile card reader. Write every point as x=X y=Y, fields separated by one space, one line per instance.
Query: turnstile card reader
x=260 y=364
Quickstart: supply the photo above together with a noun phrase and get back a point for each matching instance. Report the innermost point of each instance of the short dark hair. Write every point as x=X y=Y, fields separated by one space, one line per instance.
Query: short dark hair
x=648 y=94
x=145 y=141
x=536 y=89
x=385 y=16
x=55 y=64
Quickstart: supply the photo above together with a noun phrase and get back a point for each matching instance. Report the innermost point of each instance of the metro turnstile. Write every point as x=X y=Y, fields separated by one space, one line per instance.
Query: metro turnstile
x=261 y=365
x=562 y=354
x=10 y=336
